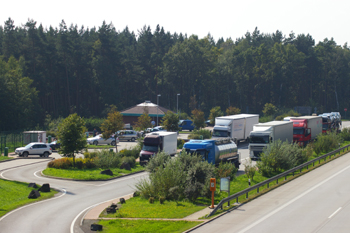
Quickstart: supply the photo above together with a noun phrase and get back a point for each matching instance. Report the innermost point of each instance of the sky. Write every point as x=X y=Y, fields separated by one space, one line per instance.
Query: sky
x=227 y=19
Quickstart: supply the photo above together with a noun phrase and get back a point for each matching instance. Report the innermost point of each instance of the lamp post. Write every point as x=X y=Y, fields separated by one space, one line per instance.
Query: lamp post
x=157 y=107
x=177 y=104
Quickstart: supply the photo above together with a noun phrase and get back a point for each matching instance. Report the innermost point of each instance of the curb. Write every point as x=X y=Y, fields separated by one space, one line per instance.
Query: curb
x=117 y=177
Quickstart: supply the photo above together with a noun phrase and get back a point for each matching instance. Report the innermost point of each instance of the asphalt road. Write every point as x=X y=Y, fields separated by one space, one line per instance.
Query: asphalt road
x=57 y=215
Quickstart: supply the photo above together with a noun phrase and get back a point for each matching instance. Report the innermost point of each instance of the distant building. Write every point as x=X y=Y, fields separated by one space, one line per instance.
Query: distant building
x=131 y=115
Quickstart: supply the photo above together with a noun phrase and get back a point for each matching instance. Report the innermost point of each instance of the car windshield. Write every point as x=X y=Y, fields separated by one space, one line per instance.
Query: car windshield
x=259 y=139
x=150 y=148
x=29 y=145
x=220 y=133
x=298 y=131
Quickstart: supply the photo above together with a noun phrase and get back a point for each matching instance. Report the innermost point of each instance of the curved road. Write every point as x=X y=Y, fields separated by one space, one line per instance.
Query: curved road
x=56 y=215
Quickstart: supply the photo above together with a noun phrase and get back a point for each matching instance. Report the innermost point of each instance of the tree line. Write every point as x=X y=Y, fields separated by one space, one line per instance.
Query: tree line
x=65 y=70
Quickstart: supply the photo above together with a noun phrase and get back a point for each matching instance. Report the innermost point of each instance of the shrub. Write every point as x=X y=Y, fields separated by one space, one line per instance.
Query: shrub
x=161 y=200
x=225 y=170
x=108 y=159
x=326 y=142
x=195 y=134
x=90 y=155
x=345 y=134
x=158 y=160
x=180 y=143
x=249 y=169
x=133 y=152
x=151 y=200
x=130 y=160
x=79 y=163
x=63 y=163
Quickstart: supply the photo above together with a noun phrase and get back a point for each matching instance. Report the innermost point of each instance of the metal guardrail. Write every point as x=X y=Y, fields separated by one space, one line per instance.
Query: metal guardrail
x=276 y=178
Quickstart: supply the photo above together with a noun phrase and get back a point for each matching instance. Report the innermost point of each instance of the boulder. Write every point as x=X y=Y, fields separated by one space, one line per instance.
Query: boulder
x=45 y=188
x=32 y=185
x=113 y=205
x=111 y=210
x=122 y=201
x=125 y=166
x=34 y=194
x=107 y=172
x=96 y=227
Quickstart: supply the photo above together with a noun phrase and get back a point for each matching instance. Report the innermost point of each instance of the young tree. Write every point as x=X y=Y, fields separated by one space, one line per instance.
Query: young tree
x=269 y=109
x=144 y=121
x=171 y=122
x=198 y=119
x=232 y=111
x=112 y=124
x=215 y=112
x=71 y=134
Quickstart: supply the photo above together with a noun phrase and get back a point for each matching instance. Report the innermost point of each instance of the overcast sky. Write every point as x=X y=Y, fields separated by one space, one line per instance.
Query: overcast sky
x=320 y=18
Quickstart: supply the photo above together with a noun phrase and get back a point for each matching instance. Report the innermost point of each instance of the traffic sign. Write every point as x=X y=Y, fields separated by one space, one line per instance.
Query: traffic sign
x=345 y=109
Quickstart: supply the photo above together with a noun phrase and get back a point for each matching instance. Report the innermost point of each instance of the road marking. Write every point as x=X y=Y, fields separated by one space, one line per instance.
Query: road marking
x=90 y=207
x=334 y=212
x=15 y=210
x=291 y=201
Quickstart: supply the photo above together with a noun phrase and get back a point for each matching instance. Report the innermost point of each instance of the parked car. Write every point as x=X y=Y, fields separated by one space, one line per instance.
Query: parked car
x=34 y=148
x=55 y=145
x=208 y=123
x=128 y=135
x=186 y=125
x=158 y=128
x=99 y=140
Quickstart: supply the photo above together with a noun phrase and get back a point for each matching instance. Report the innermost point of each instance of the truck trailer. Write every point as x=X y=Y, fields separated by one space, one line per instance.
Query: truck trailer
x=156 y=142
x=306 y=128
x=214 y=150
x=268 y=132
x=236 y=127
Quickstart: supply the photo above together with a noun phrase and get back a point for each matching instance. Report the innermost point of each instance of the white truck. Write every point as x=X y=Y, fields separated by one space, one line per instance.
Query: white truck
x=265 y=133
x=156 y=142
x=236 y=127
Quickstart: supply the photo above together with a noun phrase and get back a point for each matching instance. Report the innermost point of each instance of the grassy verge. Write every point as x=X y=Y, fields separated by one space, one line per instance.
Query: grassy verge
x=88 y=174
x=100 y=147
x=138 y=226
x=2 y=158
x=14 y=194
x=138 y=207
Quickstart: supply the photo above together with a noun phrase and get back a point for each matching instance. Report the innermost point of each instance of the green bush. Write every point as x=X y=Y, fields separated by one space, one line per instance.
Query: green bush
x=63 y=163
x=250 y=169
x=326 y=142
x=151 y=200
x=345 y=134
x=133 y=152
x=92 y=123
x=180 y=143
x=90 y=155
x=195 y=134
x=161 y=200
x=156 y=161
x=108 y=159
x=225 y=170
x=130 y=160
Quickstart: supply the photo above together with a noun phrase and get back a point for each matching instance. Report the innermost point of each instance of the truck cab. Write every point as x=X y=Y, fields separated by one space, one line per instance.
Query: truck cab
x=258 y=139
x=301 y=132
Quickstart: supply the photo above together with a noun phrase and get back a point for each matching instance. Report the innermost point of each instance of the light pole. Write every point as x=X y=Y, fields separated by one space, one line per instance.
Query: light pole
x=177 y=104
x=157 y=107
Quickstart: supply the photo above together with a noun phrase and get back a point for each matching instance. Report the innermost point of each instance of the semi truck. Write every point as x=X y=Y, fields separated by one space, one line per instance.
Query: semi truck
x=306 y=128
x=214 y=150
x=236 y=127
x=156 y=142
x=330 y=122
x=265 y=133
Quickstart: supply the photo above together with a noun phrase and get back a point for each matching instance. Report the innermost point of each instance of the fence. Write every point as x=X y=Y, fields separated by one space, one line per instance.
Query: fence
x=10 y=139
x=276 y=178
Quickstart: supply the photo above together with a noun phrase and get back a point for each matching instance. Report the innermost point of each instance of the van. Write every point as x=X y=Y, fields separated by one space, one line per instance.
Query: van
x=186 y=125
x=127 y=135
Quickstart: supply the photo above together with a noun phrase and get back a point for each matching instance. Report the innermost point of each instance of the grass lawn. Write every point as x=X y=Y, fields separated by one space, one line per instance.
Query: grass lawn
x=14 y=194
x=138 y=207
x=138 y=226
x=88 y=174
x=100 y=147
x=2 y=158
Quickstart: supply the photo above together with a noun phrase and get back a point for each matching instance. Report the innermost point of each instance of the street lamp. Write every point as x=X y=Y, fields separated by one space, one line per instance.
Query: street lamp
x=157 y=107
x=177 y=104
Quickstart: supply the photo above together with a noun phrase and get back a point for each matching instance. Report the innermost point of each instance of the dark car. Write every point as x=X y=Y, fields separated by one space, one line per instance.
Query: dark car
x=208 y=123
x=55 y=145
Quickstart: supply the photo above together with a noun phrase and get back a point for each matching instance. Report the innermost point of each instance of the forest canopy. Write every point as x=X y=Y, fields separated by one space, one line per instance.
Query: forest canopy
x=64 y=70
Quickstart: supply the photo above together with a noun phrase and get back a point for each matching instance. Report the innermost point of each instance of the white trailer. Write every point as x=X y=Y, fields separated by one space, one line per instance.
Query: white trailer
x=236 y=127
x=265 y=133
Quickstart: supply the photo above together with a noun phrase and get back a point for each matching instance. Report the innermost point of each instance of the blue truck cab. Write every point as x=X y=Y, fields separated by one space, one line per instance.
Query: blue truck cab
x=186 y=125
x=214 y=150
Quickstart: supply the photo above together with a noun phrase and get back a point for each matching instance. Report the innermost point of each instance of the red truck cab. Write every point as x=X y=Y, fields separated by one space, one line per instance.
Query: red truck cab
x=301 y=132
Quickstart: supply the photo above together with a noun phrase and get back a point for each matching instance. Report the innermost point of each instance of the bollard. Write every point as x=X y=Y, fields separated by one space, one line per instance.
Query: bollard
x=6 y=152
x=110 y=150
x=49 y=139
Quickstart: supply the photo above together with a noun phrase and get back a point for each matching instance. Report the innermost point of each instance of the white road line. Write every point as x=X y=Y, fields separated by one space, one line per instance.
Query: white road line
x=291 y=201
x=334 y=212
x=15 y=210
x=90 y=207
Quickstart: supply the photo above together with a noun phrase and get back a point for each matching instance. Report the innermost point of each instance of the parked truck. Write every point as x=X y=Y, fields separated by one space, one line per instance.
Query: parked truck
x=236 y=127
x=265 y=133
x=214 y=150
x=156 y=142
x=306 y=128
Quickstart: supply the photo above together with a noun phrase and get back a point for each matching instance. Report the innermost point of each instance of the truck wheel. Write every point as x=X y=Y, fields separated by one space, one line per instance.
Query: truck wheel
x=132 y=139
x=25 y=154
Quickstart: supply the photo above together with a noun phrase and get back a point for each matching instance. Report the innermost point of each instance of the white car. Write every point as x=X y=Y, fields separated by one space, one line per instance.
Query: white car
x=34 y=148
x=99 y=140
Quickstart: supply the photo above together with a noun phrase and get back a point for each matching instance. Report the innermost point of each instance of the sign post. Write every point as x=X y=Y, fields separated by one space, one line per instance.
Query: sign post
x=225 y=186
x=345 y=109
x=212 y=189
